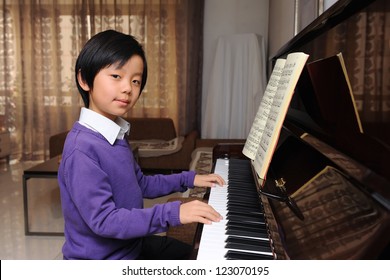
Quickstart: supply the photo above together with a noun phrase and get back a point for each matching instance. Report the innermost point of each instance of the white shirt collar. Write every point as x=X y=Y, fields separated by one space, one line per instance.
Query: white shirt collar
x=109 y=129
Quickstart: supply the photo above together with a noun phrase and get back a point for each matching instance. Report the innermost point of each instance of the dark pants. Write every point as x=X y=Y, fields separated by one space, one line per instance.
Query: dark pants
x=156 y=247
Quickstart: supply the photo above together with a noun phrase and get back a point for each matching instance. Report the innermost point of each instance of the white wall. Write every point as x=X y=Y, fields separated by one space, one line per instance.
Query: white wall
x=224 y=17
x=328 y=3
x=281 y=24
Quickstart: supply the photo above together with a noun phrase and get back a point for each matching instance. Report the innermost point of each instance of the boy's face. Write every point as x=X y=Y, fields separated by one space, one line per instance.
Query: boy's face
x=116 y=90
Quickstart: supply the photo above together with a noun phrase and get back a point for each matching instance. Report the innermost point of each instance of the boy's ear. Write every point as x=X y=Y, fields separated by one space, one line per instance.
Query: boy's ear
x=82 y=83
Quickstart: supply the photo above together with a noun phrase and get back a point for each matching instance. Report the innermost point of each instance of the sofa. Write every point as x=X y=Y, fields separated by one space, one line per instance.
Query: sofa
x=156 y=133
x=56 y=144
x=160 y=132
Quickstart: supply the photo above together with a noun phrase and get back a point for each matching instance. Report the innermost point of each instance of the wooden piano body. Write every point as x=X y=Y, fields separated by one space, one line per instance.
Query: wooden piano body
x=338 y=177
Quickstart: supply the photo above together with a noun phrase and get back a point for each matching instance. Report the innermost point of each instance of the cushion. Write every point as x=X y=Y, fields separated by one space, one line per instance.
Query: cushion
x=157 y=147
x=202 y=160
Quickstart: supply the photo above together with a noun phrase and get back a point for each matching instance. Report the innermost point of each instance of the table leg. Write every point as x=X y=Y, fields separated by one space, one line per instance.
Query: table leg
x=25 y=206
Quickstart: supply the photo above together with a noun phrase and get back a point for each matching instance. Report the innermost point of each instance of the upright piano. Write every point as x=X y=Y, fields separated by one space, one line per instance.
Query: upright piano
x=327 y=191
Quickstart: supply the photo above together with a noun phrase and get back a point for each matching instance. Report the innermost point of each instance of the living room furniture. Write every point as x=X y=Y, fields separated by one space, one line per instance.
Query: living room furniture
x=161 y=132
x=154 y=132
x=47 y=169
x=56 y=143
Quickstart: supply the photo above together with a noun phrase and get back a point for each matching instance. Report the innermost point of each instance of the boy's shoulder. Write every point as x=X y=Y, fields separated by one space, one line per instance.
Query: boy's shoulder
x=84 y=139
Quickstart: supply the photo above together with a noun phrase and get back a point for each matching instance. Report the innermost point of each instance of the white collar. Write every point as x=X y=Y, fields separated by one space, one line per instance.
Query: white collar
x=109 y=129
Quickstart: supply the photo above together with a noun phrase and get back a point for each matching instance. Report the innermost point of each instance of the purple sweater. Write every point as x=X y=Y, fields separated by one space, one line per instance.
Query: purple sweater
x=102 y=191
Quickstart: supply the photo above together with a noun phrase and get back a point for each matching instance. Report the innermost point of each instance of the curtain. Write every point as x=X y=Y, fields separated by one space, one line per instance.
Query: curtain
x=40 y=41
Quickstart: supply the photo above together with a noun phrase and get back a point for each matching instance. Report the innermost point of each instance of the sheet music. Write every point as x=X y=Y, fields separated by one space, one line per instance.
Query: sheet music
x=290 y=75
x=253 y=141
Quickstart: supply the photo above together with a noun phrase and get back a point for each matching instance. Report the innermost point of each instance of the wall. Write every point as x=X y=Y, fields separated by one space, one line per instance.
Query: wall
x=281 y=24
x=223 y=17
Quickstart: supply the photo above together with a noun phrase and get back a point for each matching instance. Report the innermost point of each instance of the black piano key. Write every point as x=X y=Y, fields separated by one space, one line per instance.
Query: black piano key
x=250 y=244
x=237 y=255
x=240 y=232
x=237 y=172
x=255 y=226
x=241 y=179
x=244 y=209
x=257 y=217
x=246 y=232
x=248 y=207
x=245 y=216
x=243 y=200
x=244 y=219
x=246 y=204
x=236 y=184
x=246 y=222
x=242 y=193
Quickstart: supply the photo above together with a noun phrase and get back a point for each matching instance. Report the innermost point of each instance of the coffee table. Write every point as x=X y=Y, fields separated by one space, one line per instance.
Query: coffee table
x=47 y=169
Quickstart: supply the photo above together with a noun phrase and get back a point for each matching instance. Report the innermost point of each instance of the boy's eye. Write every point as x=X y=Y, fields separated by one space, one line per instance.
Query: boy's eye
x=115 y=76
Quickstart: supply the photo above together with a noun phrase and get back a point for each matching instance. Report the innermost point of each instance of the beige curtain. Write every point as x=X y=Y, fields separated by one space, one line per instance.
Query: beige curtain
x=40 y=41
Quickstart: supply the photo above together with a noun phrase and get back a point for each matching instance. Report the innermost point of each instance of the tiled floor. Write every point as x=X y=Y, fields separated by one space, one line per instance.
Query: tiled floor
x=14 y=245
x=44 y=214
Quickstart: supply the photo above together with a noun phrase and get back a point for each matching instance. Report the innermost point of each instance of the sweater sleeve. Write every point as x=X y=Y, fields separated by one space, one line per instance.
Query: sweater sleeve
x=161 y=184
x=89 y=200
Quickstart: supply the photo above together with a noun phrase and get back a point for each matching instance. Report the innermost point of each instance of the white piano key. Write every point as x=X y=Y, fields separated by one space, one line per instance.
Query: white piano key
x=212 y=242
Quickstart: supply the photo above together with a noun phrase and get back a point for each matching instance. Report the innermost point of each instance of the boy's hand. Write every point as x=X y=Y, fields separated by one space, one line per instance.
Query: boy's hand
x=209 y=180
x=198 y=212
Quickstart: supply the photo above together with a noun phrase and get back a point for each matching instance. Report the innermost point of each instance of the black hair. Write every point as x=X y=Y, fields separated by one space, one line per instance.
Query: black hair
x=102 y=50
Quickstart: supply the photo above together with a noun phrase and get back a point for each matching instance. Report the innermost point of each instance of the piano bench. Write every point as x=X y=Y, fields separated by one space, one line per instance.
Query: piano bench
x=184 y=233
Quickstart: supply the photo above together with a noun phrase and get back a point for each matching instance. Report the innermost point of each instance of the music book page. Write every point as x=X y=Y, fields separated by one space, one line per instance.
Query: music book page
x=281 y=101
x=253 y=141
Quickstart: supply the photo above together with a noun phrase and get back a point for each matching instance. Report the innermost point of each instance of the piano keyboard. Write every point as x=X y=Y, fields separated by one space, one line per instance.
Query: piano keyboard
x=242 y=234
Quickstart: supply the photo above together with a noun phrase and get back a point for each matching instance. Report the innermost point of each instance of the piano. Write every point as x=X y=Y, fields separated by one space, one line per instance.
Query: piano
x=327 y=191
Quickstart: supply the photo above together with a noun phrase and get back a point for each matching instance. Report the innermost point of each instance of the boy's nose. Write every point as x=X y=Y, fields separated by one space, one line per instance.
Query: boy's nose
x=127 y=87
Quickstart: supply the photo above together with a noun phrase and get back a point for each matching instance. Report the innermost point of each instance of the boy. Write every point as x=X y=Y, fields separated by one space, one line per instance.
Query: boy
x=102 y=187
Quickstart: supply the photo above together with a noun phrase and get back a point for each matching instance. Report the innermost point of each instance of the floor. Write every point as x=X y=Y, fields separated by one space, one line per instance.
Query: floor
x=14 y=245
x=44 y=214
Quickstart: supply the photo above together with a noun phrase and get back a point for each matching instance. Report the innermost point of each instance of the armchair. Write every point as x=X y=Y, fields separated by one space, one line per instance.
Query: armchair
x=163 y=129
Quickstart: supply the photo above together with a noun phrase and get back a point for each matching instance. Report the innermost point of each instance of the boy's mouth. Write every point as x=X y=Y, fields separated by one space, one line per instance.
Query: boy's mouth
x=123 y=101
